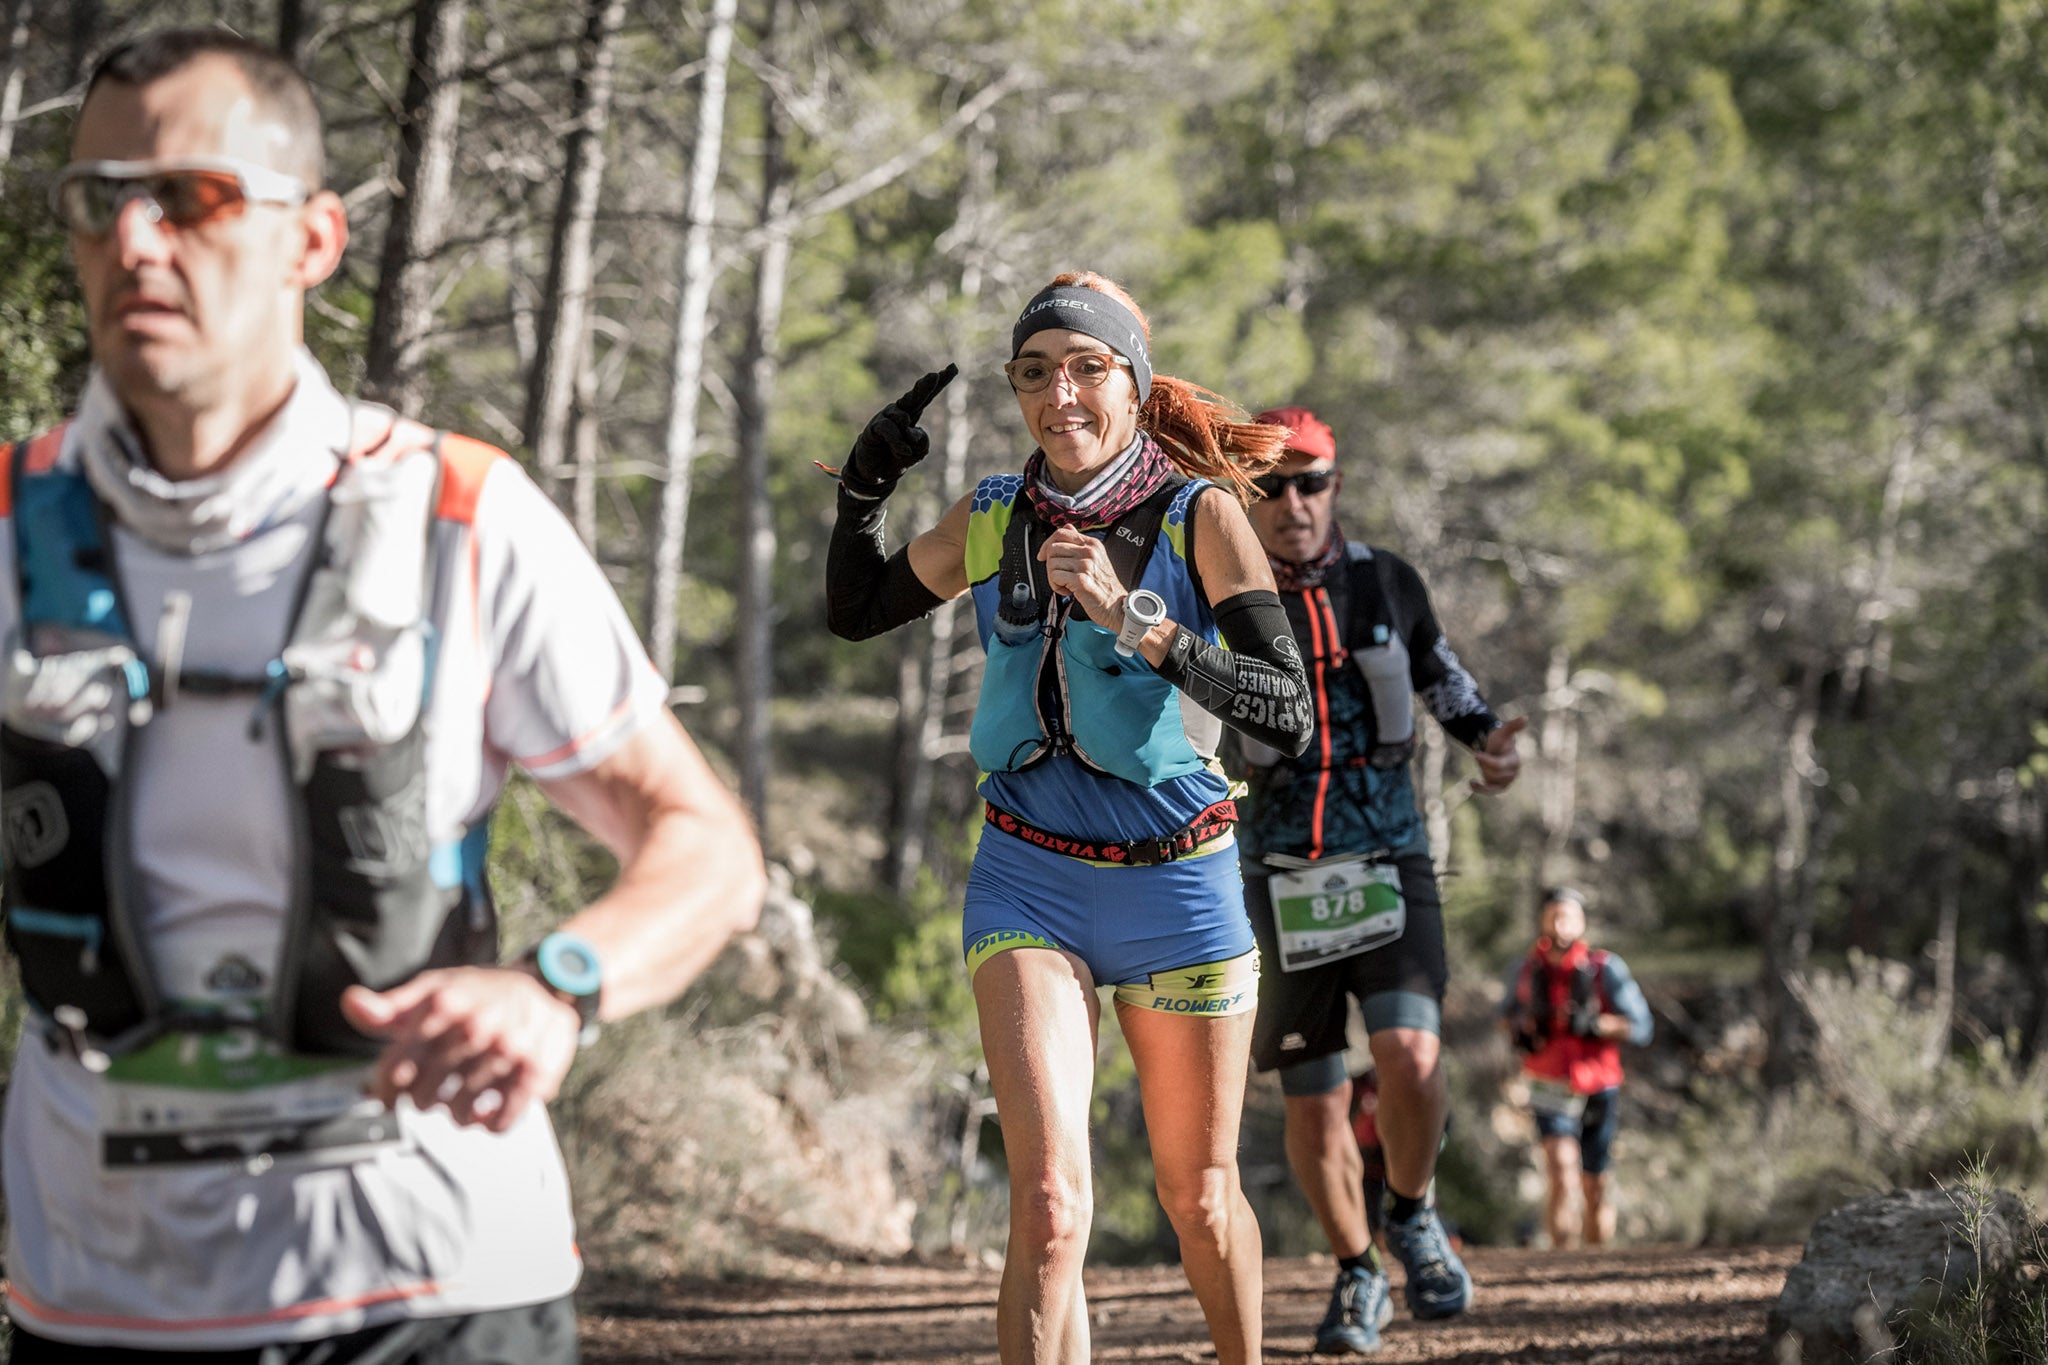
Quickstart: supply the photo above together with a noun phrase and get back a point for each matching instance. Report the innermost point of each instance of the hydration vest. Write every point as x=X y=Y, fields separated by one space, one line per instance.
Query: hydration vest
x=373 y=900
x=1549 y=996
x=1350 y=790
x=1053 y=682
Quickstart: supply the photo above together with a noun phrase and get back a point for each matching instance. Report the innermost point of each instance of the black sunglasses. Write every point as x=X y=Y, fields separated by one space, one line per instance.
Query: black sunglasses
x=1308 y=483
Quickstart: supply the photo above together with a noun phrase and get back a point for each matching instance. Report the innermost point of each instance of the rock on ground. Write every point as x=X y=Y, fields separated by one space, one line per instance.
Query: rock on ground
x=1869 y=1262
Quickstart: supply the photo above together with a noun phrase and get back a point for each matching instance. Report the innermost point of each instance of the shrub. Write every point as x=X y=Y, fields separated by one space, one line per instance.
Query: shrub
x=1742 y=1166
x=2001 y=1318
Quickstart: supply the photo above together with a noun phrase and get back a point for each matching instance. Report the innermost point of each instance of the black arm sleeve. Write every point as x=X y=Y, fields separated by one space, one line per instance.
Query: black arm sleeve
x=1257 y=686
x=867 y=592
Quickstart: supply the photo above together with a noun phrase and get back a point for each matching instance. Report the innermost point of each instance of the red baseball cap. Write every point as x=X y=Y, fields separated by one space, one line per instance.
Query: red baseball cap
x=1311 y=436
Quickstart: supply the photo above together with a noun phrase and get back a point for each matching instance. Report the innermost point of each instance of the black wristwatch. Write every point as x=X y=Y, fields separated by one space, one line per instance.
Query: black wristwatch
x=570 y=967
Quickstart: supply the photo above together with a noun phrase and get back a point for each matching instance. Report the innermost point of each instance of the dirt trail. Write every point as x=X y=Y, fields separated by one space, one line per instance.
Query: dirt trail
x=1636 y=1306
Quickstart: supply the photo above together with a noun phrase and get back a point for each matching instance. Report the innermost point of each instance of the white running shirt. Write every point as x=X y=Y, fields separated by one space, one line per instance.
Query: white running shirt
x=546 y=673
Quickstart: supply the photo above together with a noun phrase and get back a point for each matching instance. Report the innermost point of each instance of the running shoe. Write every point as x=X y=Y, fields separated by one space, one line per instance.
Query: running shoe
x=1360 y=1306
x=1438 y=1286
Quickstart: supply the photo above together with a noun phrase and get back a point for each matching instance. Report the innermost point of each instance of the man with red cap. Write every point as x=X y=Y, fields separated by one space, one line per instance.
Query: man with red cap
x=1341 y=891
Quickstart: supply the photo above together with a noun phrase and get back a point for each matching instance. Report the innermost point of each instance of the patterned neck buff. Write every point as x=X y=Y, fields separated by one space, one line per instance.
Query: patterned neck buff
x=1131 y=478
x=1293 y=577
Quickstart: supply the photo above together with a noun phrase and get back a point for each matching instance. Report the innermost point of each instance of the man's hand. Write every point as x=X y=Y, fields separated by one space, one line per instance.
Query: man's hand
x=485 y=1041
x=1499 y=764
x=892 y=441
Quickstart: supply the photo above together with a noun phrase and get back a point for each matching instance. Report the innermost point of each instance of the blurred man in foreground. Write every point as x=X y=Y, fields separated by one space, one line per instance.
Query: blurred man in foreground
x=280 y=1097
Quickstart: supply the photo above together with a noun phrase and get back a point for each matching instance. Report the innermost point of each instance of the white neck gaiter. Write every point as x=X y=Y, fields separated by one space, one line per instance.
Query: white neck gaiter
x=289 y=462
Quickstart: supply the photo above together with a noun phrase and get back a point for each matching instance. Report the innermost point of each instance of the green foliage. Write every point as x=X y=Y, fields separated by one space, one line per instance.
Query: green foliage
x=42 y=321
x=1872 y=1114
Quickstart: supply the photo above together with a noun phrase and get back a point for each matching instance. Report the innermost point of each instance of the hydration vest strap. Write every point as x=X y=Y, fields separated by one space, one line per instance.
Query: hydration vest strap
x=1130 y=541
x=1206 y=828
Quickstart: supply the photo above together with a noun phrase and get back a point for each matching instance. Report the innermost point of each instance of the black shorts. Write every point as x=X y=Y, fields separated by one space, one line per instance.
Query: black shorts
x=539 y=1334
x=1302 y=1014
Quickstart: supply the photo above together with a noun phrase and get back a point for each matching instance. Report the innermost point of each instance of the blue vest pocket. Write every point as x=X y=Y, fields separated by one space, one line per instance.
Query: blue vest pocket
x=1126 y=718
x=1007 y=735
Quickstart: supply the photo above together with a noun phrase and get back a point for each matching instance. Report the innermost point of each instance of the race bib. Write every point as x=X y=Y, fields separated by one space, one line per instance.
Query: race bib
x=236 y=1096
x=1555 y=1099
x=1336 y=909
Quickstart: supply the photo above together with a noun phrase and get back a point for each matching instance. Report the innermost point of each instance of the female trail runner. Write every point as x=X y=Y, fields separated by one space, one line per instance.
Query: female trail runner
x=1107 y=857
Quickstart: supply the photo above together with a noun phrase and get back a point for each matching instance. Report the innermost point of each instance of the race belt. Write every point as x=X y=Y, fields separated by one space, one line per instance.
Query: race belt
x=1206 y=828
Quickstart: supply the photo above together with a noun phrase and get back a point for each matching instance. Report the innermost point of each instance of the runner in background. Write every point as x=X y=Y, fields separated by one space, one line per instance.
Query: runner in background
x=1340 y=887
x=1365 y=1129
x=1569 y=1008
x=281 y=1096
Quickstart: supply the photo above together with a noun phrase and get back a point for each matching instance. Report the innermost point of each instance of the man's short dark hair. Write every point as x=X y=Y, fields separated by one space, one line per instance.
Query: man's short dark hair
x=1561 y=893
x=279 y=84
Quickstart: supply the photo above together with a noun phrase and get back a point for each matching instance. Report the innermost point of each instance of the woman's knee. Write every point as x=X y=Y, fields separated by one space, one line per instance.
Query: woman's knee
x=1200 y=1202
x=1051 y=1211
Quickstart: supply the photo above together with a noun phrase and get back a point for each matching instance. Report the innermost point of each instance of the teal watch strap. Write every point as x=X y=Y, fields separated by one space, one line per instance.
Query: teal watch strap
x=571 y=968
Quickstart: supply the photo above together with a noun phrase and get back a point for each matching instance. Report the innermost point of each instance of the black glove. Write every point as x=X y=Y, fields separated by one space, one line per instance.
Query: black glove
x=1525 y=1039
x=1586 y=1020
x=892 y=441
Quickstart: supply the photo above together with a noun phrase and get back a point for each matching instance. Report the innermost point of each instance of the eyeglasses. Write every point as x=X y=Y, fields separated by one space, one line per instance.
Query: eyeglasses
x=184 y=193
x=1083 y=369
x=1308 y=483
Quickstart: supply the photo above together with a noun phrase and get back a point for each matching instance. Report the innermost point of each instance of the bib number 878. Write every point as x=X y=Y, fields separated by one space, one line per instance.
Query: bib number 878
x=1322 y=908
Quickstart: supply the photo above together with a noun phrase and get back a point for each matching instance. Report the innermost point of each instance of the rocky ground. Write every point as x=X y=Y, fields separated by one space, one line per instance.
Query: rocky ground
x=1635 y=1306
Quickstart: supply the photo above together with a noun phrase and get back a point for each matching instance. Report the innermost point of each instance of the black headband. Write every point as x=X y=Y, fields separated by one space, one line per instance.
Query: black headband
x=1091 y=313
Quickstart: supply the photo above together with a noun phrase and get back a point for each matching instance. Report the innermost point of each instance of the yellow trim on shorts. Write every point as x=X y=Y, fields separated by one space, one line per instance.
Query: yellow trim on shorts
x=1001 y=941
x=1212 y=989
x=1216 y=989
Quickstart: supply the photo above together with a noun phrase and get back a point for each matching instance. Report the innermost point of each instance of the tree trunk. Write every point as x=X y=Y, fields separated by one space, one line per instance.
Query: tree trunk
x=1788 y=937
x=1948 y=908
x=15 y=74
x=296 y=22
x=584 y=501
x=1869 y=659
x=925 y=684
x=686 y=371
x=1558 y=745
x=754 y=616
x=419 y=206
x=565 y=301
x=88 y=26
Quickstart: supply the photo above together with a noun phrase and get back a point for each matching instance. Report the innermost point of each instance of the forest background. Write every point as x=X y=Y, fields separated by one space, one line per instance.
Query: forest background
x=1696 y=353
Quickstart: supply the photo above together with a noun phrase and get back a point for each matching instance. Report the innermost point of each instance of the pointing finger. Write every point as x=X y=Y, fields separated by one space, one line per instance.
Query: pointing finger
x=1507 y=732
x=913 y=403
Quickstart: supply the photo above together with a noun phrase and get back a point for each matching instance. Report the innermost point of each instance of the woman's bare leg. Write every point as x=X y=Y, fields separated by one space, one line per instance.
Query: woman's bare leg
x=1191 y=1070
x=1038 y=1018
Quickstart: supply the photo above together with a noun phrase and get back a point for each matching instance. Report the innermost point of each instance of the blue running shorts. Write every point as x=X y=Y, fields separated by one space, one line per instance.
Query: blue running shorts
x=1172 y=938
x=1595 y=1128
